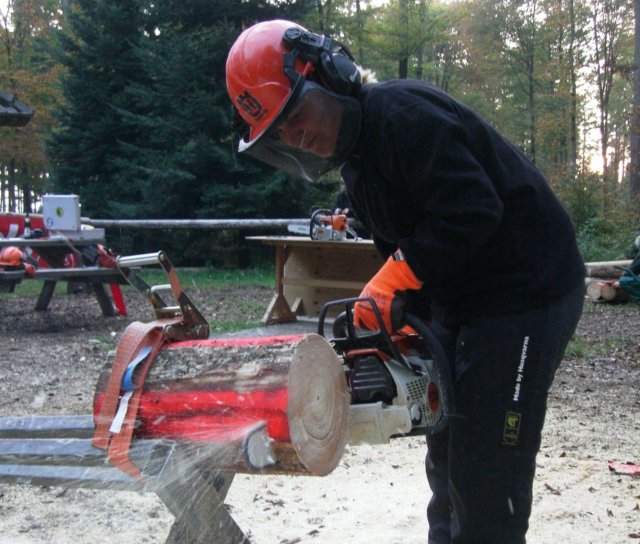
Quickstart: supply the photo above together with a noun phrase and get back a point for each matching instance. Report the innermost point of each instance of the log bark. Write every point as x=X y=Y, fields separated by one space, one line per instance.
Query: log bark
x=605 y=269
x=211 y=391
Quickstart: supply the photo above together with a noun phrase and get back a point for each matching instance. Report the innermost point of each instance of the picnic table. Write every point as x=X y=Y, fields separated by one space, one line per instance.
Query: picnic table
x=54 y=250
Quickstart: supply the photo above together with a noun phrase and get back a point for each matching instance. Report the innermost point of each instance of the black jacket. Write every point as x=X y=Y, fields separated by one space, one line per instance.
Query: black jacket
x=475 y=219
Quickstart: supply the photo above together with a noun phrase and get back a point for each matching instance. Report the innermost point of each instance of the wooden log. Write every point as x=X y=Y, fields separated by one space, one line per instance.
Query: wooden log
x=612 y=292
x=605 y=269
x=606 y=290
x=594 y=290
x=209 y=390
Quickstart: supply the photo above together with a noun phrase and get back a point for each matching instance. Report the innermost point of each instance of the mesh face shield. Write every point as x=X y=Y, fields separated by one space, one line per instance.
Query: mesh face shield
x=314 y=132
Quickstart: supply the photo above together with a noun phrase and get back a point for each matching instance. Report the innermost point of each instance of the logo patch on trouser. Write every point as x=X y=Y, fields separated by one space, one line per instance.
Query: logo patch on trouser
x=511 y=429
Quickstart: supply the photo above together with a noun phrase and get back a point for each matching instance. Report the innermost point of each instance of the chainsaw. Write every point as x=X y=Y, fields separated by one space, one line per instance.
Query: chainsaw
x=325 y=225
x=400 y=384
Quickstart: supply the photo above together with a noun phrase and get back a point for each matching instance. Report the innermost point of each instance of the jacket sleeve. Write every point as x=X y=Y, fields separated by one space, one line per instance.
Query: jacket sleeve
x=456 y=208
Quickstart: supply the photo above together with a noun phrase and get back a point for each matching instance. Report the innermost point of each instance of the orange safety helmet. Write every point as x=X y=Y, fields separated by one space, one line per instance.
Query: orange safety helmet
x=274 y=65
x=11 y=256
x=256 y=80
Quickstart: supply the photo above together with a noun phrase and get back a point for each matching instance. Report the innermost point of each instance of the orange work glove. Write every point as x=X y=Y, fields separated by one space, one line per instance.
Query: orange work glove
x=387 y=288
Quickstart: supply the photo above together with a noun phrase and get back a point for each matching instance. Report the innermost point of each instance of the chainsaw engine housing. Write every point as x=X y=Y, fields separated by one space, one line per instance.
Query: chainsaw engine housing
x=399 y=384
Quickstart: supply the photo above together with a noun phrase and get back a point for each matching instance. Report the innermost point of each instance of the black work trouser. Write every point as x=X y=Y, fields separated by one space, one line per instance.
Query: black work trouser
x=481 y=468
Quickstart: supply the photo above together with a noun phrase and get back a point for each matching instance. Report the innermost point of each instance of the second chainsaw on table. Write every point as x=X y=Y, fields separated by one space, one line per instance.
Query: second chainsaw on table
x=325 y=225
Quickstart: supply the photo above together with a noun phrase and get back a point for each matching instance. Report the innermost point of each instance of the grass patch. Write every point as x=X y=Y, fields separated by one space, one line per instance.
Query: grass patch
x=213 y=277
x=578 y=348
x=582 y=346
x=189 y=277
x=29 y=288
x=233 y=326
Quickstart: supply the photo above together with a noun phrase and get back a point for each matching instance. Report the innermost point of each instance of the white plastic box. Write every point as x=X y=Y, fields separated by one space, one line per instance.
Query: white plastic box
x=61 y=212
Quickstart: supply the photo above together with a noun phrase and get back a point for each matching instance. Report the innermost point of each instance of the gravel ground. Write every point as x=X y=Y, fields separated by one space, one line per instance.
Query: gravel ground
x=50 y=361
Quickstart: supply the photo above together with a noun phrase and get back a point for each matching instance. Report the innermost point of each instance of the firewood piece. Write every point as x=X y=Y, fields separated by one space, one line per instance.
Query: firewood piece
x=612 y=292
x=594 y=290
x=295 y=384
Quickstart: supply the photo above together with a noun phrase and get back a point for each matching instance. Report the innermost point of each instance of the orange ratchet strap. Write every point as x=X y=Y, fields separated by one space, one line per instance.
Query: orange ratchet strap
x=116 y=421
x=140 y=343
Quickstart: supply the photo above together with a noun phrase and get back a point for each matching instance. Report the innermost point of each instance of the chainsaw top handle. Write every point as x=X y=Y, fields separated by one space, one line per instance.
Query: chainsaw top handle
x=351 y=331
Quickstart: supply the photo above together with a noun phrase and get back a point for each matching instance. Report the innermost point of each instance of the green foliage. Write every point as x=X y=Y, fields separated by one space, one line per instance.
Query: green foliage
x=145 y=130
x=582 y=197
x=599 y=240
x=27 y=71
x=606 y=222
x=97 y=50
x=214 y=277
x=149 y=134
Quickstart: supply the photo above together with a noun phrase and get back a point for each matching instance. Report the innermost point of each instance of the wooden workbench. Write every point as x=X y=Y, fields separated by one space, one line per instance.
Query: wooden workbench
x=310 y=273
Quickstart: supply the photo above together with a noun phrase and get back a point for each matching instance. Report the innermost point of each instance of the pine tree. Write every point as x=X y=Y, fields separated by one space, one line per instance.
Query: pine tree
x=181 y=110
x=98 y=53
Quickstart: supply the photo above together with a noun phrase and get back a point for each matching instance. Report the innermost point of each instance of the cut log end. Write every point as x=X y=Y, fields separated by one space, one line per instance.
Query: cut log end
x=318 y=405
x=607 y=291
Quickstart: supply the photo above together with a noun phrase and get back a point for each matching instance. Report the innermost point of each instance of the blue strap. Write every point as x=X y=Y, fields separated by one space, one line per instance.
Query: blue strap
x=127 y=378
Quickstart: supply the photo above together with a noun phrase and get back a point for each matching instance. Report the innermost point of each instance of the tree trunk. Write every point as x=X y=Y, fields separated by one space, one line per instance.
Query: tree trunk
x=573 y=138
x=403 y=61
x=634 y=174
x=218 y=390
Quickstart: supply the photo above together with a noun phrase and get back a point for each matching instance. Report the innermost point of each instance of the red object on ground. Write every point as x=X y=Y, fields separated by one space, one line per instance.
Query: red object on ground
x=624 y=468
x=118 y=300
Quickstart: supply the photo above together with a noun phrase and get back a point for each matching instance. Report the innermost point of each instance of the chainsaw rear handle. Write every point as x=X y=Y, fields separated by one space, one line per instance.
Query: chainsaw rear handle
x=443 y=369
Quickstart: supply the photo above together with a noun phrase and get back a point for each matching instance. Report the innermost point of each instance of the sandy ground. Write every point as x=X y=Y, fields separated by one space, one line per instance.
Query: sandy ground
x=378 y=494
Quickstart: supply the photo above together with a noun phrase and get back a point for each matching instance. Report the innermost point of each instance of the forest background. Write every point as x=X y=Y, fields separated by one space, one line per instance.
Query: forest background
x=132 y=113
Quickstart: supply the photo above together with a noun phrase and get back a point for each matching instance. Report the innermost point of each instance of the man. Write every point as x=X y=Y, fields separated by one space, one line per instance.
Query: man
x=473 y=236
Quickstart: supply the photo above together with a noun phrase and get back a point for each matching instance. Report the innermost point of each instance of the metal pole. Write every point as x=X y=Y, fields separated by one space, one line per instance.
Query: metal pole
x=214 y=224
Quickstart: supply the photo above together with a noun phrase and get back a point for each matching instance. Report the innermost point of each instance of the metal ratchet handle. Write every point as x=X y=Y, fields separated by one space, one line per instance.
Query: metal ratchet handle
x=141 y=260
x=193 y=325
x=159 y=257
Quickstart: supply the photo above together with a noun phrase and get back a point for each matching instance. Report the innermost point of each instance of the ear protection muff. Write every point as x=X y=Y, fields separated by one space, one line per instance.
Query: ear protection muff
x=332 y=60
